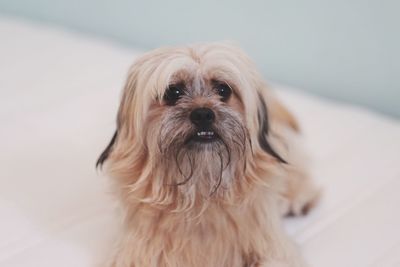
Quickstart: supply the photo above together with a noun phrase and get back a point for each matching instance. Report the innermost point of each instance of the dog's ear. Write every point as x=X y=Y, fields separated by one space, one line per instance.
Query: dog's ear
x=104 y=155
x=263 y=130
x=125 y=108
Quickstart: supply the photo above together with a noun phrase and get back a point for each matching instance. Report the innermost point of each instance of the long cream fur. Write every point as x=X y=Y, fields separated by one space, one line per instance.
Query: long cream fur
x=228 y=214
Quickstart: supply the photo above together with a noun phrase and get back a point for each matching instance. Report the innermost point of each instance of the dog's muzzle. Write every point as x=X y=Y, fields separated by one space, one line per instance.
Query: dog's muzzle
x=203 y=118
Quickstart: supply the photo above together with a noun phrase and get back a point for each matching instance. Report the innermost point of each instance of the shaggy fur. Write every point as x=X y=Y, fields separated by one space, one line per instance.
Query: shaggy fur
x=197 y=204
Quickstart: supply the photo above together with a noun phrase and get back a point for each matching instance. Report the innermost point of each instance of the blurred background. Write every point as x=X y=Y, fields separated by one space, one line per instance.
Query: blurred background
x=344 y=50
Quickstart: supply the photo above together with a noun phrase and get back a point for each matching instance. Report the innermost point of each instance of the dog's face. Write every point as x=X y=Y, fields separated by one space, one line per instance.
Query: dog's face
x=190 y=121
x=200 y=130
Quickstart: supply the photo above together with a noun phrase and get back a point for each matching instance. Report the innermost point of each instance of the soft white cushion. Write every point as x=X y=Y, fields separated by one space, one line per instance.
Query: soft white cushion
x=59 y=95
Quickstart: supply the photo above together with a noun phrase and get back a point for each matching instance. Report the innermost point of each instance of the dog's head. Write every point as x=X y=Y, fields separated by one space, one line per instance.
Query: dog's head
x=190 y=121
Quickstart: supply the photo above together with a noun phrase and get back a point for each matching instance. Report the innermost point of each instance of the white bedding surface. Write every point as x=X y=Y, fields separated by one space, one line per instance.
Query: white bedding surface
x=58 y=98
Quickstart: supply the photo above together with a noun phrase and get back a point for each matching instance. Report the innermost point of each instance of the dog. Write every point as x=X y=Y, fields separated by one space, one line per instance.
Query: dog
x=205 y=162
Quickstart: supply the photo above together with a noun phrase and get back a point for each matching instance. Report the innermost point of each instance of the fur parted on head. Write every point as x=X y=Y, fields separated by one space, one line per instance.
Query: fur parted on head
x=161 y=155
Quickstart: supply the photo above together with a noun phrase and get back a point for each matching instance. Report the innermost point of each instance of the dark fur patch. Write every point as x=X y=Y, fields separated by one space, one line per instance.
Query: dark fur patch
x=264 y=131
x=103 y=156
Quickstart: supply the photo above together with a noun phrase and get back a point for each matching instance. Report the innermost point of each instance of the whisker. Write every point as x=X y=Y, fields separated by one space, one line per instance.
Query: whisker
x=220 y=176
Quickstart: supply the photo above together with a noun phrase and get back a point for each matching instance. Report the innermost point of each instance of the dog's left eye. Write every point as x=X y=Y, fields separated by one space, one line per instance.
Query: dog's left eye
x=172 y=94
x=224 y=90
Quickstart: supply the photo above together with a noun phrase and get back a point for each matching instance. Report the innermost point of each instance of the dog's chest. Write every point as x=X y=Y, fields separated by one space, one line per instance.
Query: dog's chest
x=218 y=238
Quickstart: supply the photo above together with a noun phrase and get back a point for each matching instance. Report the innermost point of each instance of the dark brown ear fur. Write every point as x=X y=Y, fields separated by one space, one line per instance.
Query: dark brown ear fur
x=264 y=131
x=103 y=156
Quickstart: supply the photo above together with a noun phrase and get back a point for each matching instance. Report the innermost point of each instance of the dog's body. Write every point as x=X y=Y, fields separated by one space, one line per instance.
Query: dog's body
x=204 y=163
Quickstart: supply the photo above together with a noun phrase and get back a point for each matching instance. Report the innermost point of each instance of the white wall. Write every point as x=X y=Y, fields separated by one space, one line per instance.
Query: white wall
x=348 y=50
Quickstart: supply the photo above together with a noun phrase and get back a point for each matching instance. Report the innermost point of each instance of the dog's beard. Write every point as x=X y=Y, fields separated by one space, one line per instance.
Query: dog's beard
x=203 y=167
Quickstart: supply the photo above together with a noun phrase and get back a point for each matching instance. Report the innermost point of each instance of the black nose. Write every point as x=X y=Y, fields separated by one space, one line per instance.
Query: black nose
x=202 y=116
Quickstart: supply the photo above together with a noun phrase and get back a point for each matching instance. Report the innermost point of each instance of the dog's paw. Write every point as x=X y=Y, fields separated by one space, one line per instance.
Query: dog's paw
x=299 y=200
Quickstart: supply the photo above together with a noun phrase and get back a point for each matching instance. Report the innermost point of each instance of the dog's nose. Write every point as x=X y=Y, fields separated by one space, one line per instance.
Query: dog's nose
x=202 y=116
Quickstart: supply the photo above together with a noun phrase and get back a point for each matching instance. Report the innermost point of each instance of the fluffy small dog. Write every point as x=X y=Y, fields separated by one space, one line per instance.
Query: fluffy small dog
x=204 y=161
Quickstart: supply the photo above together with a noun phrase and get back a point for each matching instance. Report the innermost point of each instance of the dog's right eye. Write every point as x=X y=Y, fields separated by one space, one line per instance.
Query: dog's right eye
x=172 y=94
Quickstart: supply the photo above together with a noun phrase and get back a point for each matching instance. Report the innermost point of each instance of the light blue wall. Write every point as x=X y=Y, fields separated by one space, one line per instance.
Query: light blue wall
x=345 y=49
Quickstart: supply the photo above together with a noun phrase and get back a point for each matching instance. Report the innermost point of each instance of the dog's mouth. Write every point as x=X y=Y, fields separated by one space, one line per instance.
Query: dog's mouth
x=204 y=136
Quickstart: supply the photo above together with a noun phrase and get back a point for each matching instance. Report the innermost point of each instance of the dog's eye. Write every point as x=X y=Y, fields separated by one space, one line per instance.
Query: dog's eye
x=172 y=94
x=223 y=90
